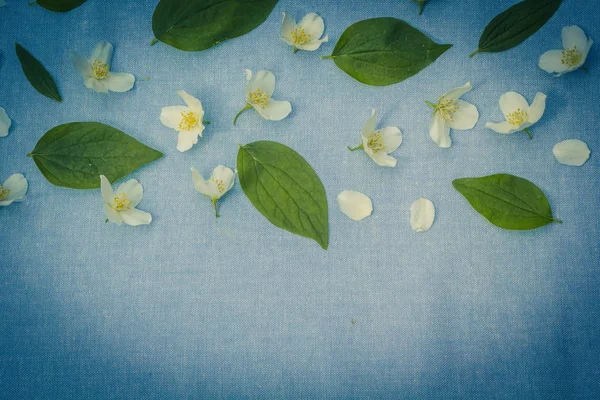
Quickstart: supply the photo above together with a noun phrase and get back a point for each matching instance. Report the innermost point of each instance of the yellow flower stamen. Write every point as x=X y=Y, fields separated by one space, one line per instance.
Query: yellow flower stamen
x=189 y=120
x=446 y=108
x=220 y=184
x=121 y=202
x=571 y=57
x=517 y=118
x=300 y=37
x=3 y=192
x=260 y=98
x=375 y=142
x=101 y=70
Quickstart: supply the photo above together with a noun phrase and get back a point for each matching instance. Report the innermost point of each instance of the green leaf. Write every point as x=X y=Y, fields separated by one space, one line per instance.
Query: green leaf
x=507 y=201
x=59 y=5
x=383 y=51
x=516 y=24
x=285 y=189
x=195 y=25
x=74 y=155
x=36 y=74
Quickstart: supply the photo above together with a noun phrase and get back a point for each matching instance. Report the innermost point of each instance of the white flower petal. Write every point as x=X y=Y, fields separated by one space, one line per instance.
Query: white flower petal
x=458 y=92
x=248 y=74
x=313 y=44
x=186 y=139
x=287 y=26
x=574 y=36
x=465 y=117
x=571 y=152
x=226 y=175
x=313 y=25
x=355 y=205
x=5 y=122
x=551 y=62
x=422 y=215
x=119 y=82
x=370 y=125
x=135 y=217
x=263 y=80
x=81 y=65
x=392 y=138
x=439 y=131
x=112 y=215
x=536 y=111
x=107 y=192
x=17 y=186
x=501 y=127
x=193 y=103
x=171 y=116
x=275 y=111
x=133 y=190
x=511 y=102
x=103 y=52
x=95 y=84
x=207 y=188
x=383 y=159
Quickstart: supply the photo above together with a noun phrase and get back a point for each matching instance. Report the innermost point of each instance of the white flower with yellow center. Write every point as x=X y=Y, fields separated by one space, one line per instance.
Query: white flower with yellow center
x=451 y=112
x=379 y=143
x=13 y=189
x=304 y=35
x=259 y=90
x=5 y=123
x=120 y=206
x=96 y=72
x=518 y=113
x=215 y=187
x=188 y=121
x=576 y=47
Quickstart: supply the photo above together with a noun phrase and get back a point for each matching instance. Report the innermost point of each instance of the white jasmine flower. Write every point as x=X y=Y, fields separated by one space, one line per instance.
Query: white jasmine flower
x=13 y=189
x=120 y=206
x=306 y=34
x=259 y=90
x=451 y=112
x=576 y=47
x=215 y=187
x=355 y=205
x=188 y=121
x=378 y=144
x=518 y=113
x=96 y=72
x=5 y=123
x=571 y=152
x=422 y=214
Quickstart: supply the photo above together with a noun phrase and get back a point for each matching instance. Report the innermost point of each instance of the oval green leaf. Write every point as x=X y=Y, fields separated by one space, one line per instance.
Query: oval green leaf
x=74 y=155
x=285 y=189
x=507 y=201
x=384 y=51
x=59 y=5
x=195 y=25
x=36 y=74
x=516 y=24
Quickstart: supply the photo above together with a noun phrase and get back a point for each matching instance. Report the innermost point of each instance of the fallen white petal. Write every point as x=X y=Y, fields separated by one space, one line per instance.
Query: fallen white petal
x=422 y=214
x=571 y=152
x=5 y=123
x=355 y=205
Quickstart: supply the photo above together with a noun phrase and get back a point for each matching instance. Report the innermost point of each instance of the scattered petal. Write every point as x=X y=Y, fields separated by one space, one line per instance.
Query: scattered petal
x=571 y=152
x=422 y=215
x=5 y=122
x=355 y=205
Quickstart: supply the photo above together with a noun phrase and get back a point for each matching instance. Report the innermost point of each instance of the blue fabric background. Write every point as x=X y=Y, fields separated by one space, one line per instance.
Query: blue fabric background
x=193 y=307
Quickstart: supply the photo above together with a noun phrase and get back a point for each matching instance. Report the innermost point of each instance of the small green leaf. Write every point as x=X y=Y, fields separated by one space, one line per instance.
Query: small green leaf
x=36 y=74
x=383 y=51
x=285 y=189
x=74 y=155
x=507 y=201
x=516 y=24
x=58 y=5
x=195 y=25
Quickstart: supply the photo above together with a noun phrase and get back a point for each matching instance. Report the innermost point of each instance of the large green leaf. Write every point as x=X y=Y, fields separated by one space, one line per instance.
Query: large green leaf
x=74 y=155
x=507 y=201
x=195 y=25
x=383 y=51
x=59 y=5
x=516 y=24
x=36 y=74
x=285 y=189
